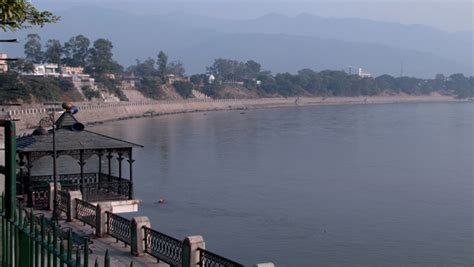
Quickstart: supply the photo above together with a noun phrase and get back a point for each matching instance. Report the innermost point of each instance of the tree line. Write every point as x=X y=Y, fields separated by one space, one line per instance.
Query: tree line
x=325 y=83
x=96 y=58
x=152 y=74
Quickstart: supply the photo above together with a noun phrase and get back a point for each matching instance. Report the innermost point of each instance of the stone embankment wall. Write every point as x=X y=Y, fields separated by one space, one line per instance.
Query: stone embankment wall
x=29 y=115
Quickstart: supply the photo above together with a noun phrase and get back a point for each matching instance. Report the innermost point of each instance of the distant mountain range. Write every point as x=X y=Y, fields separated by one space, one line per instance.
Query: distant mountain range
x=280 y=43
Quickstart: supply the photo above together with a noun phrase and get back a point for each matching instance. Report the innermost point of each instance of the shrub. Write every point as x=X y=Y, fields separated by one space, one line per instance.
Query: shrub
x=185 y=89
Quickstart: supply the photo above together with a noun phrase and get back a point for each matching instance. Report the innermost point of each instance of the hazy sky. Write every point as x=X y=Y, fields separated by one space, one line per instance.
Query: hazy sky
x=449 y=15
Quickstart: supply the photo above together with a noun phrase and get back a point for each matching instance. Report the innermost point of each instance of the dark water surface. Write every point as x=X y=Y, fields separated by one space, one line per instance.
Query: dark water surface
x=356 y=185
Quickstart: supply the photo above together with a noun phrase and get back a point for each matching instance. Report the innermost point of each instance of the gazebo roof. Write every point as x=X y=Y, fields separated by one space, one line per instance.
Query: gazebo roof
x=69 y=139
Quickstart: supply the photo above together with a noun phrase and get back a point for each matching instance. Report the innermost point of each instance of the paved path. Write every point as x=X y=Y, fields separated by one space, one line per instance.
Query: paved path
x=2 y=159
x=120 y=255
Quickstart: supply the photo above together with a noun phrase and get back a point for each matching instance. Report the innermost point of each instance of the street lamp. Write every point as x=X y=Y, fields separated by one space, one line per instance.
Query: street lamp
x=52 y=120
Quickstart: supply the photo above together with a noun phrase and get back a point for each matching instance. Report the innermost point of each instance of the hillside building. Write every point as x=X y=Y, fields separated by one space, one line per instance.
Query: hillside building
x=46 y=69
x=363 y=74
x=72 y=70
x=3 y=63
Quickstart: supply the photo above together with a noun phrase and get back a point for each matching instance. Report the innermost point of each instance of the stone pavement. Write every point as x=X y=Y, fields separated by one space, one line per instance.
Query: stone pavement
x=119 y=253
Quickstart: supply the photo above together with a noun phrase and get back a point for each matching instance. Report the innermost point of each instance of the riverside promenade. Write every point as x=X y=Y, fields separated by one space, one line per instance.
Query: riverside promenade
x=119 y=252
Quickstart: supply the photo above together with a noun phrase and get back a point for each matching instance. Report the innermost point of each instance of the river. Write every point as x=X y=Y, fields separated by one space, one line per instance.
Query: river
x=348 y=185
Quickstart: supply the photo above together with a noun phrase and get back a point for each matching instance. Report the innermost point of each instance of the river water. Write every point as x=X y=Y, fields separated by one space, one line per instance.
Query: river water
x=353 y=185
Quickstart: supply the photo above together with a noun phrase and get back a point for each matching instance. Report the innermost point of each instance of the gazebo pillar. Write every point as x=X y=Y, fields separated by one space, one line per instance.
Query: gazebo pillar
x=99 y=155
x=81 y=165
x=120 y=159
x=27 y=184
x=130 y=162
x=21 y=163
x=109 y=158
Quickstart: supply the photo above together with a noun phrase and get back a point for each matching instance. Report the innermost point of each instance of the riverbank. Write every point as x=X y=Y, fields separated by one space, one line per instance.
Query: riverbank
x=90 y=113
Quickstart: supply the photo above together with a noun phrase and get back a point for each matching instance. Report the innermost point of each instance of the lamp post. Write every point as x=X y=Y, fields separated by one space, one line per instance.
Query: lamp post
x=56 y=213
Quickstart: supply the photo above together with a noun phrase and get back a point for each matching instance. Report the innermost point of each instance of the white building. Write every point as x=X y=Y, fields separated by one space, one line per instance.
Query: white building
x=80 y=80
x=3 y=63
x=72 y=70
x=211 y=79
x=363 y=74
x=46 y=69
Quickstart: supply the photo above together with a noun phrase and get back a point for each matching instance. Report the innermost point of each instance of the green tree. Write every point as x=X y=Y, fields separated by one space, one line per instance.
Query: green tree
x=151 y=87
x=227 y=69
x=101 y=58
x=387 y=83
x=252 y=69
x=176 y=68
x=21 y=65
x=76 y=51
x=461 y=85
x=20 y=14
x=185 y=89
x=144 y=69
x=199 y=79
x=90 y=93
x=53 y=52
x=162 y=64
x=33 y=48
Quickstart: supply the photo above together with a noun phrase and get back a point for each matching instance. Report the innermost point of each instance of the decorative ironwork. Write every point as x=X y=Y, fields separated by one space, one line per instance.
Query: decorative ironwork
x=119 y=227
x=64 y=202
x=114 y=190
x=40 y=196
x=96 y=187
x=163 y=247
x=65 y=179
x=209 y=259
x=86 y=212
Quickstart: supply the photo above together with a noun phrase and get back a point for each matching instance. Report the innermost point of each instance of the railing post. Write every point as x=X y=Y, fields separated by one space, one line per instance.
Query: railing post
x=71 y=209
x=101 y=219
x=190 y=250
x=138 y=235
x=51 y=195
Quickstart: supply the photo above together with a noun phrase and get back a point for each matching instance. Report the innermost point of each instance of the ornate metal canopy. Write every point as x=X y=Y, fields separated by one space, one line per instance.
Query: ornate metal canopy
x=69 y=139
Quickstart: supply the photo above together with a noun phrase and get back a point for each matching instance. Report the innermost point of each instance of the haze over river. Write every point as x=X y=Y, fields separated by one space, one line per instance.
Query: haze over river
x=349 y=185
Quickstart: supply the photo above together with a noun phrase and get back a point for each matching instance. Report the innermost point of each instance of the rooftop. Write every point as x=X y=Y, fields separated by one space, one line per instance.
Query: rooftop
x=70 y=138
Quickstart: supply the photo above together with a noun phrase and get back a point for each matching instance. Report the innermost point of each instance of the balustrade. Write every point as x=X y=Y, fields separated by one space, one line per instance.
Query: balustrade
x=86 y=213
x=163 y=247
x=119 y=228
x=210 y=259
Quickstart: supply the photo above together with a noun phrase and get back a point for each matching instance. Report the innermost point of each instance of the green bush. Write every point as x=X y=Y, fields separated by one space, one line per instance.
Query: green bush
x=90 y=93
x=112 y=86
x=151 y=87
x=185 y=89
x=30 y=88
